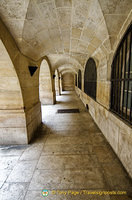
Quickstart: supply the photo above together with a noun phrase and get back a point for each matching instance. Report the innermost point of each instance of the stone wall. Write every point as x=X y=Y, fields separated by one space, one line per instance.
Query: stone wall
x=33 y=120
x=68 y=82
x=13 y=128
x=117 y=132
x=19 y=93
x=46 y=84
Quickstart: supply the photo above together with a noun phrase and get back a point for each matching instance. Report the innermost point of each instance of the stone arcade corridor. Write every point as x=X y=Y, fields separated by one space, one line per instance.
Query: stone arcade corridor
x=69 y=154
x=65 y=54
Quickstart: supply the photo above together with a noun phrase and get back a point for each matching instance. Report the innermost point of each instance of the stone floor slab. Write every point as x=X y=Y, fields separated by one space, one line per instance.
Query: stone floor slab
x=54 y=139
x=63 y=162
x=32 y=152
x=4 y=174
x=13 y=191
x=1 y=183
x=69 y=152
x=8 y=162
x=67 y=149
x=12 y=150
x=105 y=154
x=68 y=179
x=23 y=171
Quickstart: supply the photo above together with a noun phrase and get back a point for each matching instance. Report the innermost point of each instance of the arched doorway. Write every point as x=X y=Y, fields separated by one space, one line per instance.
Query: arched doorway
x=90 y=78
x=12 y=116
x=46 y=84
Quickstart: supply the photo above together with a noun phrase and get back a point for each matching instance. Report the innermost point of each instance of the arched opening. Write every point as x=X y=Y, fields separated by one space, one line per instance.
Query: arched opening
x=68 y=82
x=79 y=79
x=90 y=78
x=46 y=84
x=121 y=78
x=12 y=116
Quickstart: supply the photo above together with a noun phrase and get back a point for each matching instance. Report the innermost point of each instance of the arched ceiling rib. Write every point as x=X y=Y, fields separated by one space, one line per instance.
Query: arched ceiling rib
x=59 y=60
x=67 y=71
x=67 y=67
x=76 y=28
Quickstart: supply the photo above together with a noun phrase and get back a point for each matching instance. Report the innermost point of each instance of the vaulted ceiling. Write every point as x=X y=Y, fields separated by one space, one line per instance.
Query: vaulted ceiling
x=67 y=31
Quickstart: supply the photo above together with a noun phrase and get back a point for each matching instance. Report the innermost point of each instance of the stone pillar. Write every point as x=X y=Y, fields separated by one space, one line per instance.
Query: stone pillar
x=46 y=85
x=57 y=83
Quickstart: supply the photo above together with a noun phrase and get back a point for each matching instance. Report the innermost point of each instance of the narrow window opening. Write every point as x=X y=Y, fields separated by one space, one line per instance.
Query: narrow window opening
x=90 y=78
x=121 y=79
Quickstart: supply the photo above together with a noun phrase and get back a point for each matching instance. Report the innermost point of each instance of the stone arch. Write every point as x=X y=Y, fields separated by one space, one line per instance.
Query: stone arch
x=79 y=79
x=66 y=60
x=68 y=67
x=10 y=95
x=46 y=84
x=119 y=38
x=12 y=116
x=90 y=78
x=67 y=71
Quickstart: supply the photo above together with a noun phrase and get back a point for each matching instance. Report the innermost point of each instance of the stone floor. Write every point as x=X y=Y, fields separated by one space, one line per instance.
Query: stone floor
x=69 y=157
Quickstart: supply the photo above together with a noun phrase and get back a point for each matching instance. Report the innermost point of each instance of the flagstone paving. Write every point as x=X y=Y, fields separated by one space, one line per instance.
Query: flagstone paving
x=69 y=157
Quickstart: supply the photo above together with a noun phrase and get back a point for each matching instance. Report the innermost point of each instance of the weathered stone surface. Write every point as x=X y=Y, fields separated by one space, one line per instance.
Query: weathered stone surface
x=22 y=172
x=33 y=120
x=46 y=84
x=103 y=93
x=13 y=191
x=32 y=152
x=68 y=32
x=116 y=132
x=89 y=21
x=68 y=82
x=63 y=160
x=56 y=162
x=18 y=93
x=57 y=83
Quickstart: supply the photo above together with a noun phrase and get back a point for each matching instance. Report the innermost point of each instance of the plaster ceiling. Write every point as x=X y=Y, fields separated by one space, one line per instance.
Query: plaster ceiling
x=73 y=29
